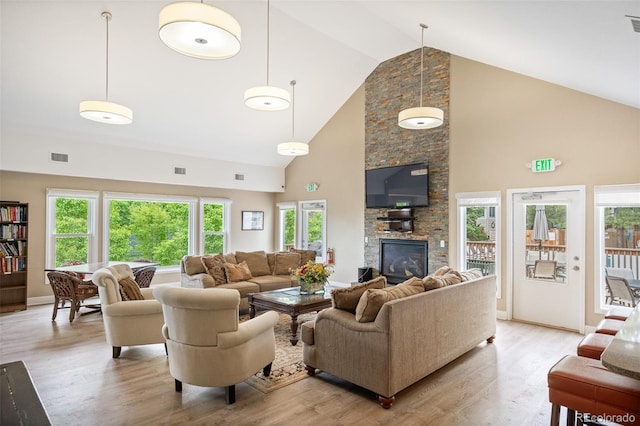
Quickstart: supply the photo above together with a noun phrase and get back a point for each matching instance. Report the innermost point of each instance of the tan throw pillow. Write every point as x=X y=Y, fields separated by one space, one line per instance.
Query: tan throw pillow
x=193 y=265
x=432 y=282
x=271 y=260
x=372 y=300
x=471 y=274
x=347 y=298
x=442 y=270
x=305 y=255
x=256 y=261
x=286 y=263
x=230 y=258
x=237 y=272
x=214 y=265
x=129 y=289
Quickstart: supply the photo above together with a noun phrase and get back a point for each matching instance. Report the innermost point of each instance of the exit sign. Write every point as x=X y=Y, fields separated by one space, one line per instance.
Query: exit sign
x=543 y=165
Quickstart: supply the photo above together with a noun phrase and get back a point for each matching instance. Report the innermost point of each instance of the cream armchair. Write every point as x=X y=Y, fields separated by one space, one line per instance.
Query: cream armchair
x=127 y=323
x=207 y=346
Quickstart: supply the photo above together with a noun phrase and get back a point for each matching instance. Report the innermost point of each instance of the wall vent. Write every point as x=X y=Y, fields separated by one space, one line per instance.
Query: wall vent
x=239 y=176
x=61 y=158
x=635 y=22
x=180 y=170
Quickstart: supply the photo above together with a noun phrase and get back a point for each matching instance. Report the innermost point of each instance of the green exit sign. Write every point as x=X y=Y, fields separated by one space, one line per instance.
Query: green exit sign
x=543 y=165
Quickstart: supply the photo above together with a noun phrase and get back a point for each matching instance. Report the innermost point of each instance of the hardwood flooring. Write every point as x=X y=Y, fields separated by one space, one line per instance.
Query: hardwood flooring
x=503 y=383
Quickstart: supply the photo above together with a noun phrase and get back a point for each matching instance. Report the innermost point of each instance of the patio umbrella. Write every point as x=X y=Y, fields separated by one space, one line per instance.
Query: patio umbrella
x=540 y=228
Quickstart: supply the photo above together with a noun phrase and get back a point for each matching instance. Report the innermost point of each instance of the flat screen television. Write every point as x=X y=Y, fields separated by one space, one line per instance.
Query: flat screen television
x=397 y=186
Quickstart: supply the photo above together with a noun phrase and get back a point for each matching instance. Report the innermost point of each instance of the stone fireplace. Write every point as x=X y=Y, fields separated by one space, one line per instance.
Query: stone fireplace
x=403 y=259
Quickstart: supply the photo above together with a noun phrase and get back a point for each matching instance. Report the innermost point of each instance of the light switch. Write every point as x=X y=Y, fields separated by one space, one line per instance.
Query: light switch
x=442 y=243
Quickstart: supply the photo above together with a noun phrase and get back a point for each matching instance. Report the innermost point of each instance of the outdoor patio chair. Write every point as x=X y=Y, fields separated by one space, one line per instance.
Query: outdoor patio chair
x=70 y=288
x=620 y=291
x=545 y=269
x=626 y=273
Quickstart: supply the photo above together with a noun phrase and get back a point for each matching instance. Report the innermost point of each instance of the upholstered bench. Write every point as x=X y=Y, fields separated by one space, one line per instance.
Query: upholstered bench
x=593 y=345
x=584 y=385
x=609 y=326
x=619 y=313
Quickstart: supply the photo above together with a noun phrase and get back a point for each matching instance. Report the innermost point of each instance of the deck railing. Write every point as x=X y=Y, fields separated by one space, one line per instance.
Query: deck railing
x=483 y=253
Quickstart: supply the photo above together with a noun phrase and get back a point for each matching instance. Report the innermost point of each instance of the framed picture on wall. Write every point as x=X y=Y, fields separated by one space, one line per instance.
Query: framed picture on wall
x=252 y=221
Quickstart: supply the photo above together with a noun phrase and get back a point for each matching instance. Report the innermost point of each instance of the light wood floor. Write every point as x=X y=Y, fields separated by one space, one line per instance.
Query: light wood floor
x=503 y=383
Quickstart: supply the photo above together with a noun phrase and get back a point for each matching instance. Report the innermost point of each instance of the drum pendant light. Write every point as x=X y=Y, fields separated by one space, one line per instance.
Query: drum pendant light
x=199 y=30
x=293 y=148
x=267 y=98
x=105 y=111
x=421 y=117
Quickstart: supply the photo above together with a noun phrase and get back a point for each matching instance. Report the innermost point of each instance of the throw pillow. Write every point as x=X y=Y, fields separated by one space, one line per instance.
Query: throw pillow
x=442 y=270
x=305 y=255
x=193 y=265
x=432 y=282
x=214 y=265
x=129 y=289
x=286 y=263
x=347 y=299
x=372 y=300
x=237 y=272
x=256 y=261
x=471 y=274
x=271 y=259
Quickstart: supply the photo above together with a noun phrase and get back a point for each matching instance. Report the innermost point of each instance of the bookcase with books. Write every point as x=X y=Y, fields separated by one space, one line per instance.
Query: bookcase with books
x=14 y=219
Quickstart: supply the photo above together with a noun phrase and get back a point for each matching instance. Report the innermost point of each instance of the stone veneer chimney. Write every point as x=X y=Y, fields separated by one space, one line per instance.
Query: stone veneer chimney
x=393 y=86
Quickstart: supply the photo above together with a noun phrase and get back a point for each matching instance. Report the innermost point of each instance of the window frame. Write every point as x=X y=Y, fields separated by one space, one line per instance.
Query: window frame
x=479 y=199
x=92 y=197
x=607 y=196
x=226 y=208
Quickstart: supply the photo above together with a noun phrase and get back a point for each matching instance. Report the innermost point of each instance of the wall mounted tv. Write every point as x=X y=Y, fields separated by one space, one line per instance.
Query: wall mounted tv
x=398 y=186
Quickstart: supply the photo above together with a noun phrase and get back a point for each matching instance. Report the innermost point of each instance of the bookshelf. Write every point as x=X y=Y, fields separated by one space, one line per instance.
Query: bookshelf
x=14 y=219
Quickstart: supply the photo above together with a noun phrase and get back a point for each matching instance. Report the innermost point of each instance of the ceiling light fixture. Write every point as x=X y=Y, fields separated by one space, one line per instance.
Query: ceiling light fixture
x=293 y=148
x=267 y=98
x=105 y=111
x=421 y=117
x=199 y=30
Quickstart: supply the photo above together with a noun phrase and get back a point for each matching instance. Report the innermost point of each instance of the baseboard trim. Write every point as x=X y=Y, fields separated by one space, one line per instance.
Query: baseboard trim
x=41 y=300
x=501 y=315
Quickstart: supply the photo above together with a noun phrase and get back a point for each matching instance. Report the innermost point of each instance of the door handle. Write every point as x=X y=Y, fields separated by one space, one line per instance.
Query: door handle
x=576 y=268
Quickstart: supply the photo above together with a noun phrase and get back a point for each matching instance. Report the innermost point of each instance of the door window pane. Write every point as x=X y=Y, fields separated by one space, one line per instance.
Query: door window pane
x=546 y=257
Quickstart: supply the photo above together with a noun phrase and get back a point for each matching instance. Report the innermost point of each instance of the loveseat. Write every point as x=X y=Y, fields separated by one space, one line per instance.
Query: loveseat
x=409 y=338
x=247 y=272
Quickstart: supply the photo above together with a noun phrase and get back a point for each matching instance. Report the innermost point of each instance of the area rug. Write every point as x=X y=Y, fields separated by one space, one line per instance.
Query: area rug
x=288 y=367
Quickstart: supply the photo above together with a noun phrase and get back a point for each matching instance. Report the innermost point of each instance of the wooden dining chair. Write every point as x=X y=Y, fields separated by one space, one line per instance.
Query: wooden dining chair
x=70 y=288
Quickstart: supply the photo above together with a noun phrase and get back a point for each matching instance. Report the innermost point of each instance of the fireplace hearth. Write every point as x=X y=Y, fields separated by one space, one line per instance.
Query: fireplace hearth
x=402 y=259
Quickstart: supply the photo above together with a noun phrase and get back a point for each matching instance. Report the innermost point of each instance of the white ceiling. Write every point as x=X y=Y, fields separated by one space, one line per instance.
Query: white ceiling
x=53 y=57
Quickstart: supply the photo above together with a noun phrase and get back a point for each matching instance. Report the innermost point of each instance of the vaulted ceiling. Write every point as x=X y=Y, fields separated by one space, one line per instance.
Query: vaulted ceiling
x=53 y=57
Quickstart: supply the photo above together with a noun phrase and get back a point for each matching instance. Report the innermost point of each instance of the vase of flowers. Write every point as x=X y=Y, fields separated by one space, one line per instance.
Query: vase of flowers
x=312 y=277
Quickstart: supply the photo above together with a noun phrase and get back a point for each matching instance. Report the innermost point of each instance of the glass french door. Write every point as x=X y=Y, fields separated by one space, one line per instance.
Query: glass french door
x=313 y=228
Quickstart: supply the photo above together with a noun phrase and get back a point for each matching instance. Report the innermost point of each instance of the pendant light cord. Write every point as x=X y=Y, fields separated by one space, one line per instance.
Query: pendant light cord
x=107 y=17
x=293 y=110
x=268 y=9
x=422 y=60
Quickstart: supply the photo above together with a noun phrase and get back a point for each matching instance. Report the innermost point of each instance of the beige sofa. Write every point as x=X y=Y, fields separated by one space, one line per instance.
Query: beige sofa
x=266 y=271
x=410 y=337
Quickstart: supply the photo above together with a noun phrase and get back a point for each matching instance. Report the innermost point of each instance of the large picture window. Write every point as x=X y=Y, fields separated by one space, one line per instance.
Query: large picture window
x=148 y=228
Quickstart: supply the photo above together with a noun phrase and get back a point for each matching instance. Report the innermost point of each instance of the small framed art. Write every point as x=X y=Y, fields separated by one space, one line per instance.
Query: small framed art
x=252 y=221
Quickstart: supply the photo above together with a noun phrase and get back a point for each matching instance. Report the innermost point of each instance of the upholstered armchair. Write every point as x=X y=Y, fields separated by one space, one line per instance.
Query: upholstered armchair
x=206 y=344
x=127 y=322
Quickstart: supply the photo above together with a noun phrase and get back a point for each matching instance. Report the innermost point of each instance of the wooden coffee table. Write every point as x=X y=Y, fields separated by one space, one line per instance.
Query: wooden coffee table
x=289 y=301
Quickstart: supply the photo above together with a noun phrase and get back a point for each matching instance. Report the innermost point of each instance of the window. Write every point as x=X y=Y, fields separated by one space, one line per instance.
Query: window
x=214 y=229
x=286 y=226
x=479 y=232
x=617 y=234
x=313 y=227
x=148 y=227
x=71 y=227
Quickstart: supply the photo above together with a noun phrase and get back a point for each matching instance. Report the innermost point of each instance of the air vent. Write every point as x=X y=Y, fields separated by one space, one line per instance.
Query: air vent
x=61 y=158
x=180 y=170
x=635 y=22
x=239 y=176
